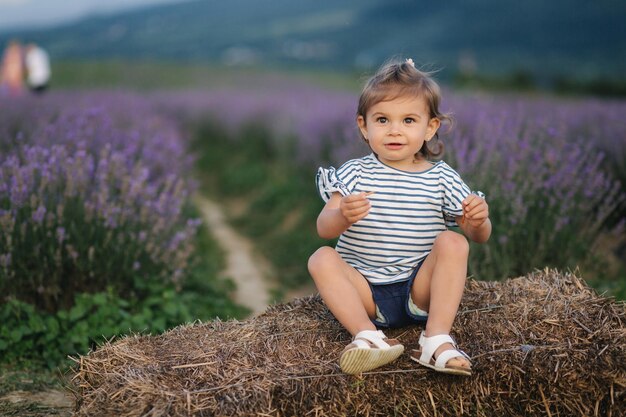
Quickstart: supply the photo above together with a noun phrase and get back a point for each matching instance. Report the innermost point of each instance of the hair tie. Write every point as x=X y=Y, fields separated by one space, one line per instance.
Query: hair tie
x=410 y=62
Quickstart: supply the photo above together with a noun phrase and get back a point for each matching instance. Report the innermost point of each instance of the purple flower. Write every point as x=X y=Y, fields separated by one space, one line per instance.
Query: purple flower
x=5 y=260
x=39 y=214
x=61 y=237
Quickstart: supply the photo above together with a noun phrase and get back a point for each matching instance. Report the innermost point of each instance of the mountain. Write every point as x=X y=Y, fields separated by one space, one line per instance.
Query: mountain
x=572 y=38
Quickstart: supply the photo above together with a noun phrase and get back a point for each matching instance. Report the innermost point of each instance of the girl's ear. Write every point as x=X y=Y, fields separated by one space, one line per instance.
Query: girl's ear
x=360 y=121
x=433 y=126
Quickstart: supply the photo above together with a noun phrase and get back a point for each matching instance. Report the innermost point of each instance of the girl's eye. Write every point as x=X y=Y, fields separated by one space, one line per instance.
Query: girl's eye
x=381 y=120
x=409 y=120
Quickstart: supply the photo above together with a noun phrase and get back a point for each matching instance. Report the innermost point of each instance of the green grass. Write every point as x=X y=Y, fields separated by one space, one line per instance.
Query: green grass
x=29 y=378
x=159 y=75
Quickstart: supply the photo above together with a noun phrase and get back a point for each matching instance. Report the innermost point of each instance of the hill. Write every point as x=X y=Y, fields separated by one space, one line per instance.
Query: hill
x=571 y=38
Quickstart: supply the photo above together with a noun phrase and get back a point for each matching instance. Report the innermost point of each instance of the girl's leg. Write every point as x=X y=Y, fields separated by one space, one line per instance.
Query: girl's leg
x=439 y=286
x=343 y=289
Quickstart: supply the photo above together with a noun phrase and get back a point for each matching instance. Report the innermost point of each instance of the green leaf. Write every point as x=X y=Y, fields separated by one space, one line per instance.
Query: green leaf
x=36 y=323
x=158 y=324
x=170 y=309
x=52 y=328
x=77 y=312
x=16 y=334
x=99 y=299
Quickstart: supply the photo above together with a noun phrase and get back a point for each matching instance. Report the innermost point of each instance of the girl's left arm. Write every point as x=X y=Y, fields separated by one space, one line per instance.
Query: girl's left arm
x=475 y=221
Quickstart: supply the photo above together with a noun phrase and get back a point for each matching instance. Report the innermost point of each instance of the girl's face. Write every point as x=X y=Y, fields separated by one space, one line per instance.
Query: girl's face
x=396 y=129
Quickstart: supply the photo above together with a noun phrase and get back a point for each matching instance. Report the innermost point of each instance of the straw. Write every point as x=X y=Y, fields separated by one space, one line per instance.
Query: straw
x=545 y=344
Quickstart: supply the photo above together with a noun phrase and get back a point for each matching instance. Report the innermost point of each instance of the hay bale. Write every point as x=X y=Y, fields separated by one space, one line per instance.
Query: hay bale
x=544 y=344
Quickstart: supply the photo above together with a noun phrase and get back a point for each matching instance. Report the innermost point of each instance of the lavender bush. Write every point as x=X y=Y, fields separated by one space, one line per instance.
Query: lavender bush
x=550 y=192
x=93 y=189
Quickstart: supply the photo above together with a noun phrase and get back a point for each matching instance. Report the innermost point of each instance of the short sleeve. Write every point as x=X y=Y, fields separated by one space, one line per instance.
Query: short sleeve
x=342 y=180
x=454 y=192
x=328 y=183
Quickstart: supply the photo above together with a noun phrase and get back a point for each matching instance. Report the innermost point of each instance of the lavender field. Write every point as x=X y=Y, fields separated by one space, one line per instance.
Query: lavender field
x=92 y=188
x=96 y=186
x=553 y=168
x=98 y=233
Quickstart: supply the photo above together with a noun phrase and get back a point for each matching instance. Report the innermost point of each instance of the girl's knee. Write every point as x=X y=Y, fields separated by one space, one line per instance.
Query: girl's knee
x=320 y=258
x=452 y=242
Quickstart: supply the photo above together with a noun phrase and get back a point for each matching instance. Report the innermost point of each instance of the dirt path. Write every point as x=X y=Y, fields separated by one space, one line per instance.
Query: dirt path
x=248 y=269
x=52 y=402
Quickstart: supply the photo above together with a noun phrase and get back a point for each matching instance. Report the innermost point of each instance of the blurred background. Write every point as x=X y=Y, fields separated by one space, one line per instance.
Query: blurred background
x=136 y=120
x=564 y=45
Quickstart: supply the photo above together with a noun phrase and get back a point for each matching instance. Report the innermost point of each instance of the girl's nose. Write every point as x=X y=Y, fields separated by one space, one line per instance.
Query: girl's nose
x=394 y=129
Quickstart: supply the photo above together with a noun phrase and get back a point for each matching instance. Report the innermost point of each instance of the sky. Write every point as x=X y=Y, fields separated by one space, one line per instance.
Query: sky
x=43 y=13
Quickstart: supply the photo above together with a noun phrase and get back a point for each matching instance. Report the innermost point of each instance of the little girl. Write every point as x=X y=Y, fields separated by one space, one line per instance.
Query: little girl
x=395 y=263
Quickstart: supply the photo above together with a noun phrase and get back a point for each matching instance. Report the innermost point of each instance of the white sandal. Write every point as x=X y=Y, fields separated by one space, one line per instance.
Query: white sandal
x=369 y=349
x=426 y=356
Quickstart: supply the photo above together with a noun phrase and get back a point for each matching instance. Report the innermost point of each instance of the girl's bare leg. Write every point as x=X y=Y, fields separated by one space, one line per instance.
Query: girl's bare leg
x=343 y=289
x=439 y=286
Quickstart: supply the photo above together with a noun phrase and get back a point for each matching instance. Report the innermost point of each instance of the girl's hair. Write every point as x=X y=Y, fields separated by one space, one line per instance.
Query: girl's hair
x=396 y=79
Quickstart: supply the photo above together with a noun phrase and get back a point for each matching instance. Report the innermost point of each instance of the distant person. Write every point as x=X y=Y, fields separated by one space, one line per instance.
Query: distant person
x=12 y=70
x=396 y=263
x=37 y=68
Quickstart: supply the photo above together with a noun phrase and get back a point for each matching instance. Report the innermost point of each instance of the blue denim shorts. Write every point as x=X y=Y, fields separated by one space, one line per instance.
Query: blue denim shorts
x=394 y=306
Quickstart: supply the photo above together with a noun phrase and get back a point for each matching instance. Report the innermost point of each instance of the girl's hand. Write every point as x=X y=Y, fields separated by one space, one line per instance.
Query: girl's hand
x=475 y=211
x=354 y=207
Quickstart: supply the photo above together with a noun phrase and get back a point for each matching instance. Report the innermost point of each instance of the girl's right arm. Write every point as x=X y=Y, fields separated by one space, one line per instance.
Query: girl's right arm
x=339 y=213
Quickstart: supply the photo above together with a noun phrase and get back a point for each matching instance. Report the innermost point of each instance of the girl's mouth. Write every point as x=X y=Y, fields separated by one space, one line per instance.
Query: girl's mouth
x=393 y=146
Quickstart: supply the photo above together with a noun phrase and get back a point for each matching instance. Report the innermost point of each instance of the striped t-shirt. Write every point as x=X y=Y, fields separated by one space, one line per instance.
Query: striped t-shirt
x=408 y=211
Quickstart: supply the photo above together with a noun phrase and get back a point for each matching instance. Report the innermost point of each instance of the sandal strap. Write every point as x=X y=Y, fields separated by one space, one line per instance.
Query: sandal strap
x=446 y=355
x=431 y=344
x=366 y=338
